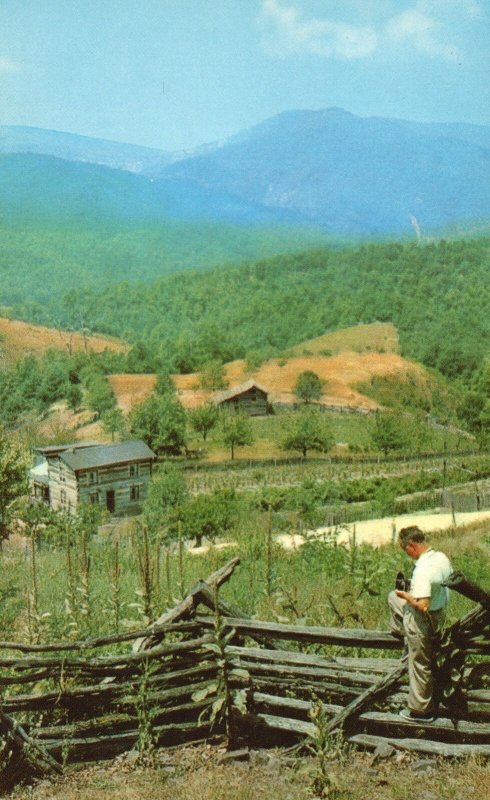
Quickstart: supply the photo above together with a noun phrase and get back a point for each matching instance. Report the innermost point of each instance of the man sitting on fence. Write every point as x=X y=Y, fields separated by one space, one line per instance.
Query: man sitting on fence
x=419 y=614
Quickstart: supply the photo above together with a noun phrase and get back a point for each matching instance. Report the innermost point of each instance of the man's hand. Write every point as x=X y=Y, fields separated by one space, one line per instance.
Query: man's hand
x=420 y=604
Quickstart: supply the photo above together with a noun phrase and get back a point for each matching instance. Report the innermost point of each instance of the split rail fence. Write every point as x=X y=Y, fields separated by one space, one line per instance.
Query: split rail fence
x=178 y=681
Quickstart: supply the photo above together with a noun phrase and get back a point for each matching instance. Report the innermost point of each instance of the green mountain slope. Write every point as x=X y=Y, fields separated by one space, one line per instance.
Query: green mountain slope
x=437 y=295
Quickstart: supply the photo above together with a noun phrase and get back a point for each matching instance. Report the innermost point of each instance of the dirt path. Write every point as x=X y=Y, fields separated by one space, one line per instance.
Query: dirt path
x=382 y=531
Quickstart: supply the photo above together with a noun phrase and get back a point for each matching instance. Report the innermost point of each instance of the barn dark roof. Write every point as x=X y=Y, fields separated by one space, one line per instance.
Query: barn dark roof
x=104 y=455
x=237 y=390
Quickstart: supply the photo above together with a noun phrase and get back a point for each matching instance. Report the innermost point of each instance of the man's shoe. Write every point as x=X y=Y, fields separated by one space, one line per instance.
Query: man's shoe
x=415 y=716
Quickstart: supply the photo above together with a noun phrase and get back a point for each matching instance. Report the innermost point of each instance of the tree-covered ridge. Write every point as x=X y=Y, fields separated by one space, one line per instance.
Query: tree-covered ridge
x=437 y=295
x=42 y=261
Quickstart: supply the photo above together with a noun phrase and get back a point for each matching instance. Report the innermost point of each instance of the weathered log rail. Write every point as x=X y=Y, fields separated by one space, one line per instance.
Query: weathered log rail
x=87 y=700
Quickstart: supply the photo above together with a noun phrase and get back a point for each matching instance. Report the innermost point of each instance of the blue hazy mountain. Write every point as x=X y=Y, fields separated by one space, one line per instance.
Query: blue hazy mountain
x=350 y=174
x=345 y=174
x=53 y=190
x=72 y=147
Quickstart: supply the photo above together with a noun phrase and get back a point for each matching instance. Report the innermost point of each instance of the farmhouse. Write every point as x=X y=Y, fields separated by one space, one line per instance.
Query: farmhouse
x=113 y=476
x=249 y=398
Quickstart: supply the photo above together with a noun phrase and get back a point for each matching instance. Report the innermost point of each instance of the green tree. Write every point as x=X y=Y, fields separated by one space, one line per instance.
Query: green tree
x=164 y=384
x=74 y=396
x=100 y=396
x=113 y=422
x=204 y=418
x=13 y=478
x=308 y=386
x=470 y=411
x=388 y=432
x=53 y=384
x=161 y=422
x=307 y=430
x=483 y=436
x=167 y=493
x=236 y=431
x=213 y=375
x=209 y=515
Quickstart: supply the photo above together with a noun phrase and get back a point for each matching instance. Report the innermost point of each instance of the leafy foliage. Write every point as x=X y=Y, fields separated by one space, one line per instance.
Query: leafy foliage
x=167 y=493
x=160 y=420
x=388 y=434
x=308 y=386
x=13 y=477
x=307 y=429
x=204 y=418
x=209 y=515
x=236 y=431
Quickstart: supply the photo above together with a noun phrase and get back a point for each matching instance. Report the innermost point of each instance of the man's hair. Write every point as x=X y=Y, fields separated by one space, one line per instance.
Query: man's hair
x=411 y=534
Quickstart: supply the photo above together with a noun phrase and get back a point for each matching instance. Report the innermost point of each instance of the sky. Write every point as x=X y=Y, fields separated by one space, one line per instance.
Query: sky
x=175 y=74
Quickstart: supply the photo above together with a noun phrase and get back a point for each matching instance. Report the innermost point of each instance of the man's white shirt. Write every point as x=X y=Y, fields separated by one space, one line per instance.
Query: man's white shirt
x=431 y=569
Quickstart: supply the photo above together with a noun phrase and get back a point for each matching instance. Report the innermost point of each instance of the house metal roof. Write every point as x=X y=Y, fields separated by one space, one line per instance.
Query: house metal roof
x=105 y=455
x=54 y=449
x=244 y=387
x=39 y=473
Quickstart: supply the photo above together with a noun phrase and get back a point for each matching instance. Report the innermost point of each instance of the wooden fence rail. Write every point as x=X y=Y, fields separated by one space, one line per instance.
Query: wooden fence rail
x=76 y=702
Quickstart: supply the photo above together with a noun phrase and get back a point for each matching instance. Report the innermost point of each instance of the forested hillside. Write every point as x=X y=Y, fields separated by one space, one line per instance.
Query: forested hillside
x=437 y=295
x=40 y=262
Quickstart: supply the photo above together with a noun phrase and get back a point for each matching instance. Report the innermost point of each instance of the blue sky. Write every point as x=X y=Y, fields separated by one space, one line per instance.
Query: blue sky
x=177 y=73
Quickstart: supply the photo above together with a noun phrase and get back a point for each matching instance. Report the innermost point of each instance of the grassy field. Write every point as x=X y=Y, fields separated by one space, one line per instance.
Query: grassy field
x=351 y=432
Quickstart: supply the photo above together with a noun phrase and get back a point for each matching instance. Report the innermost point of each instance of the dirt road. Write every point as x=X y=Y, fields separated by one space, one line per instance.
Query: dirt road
x=383 y=531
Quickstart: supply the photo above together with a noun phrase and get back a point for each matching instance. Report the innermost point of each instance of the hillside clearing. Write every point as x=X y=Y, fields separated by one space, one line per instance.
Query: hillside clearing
x=379 y=337
x=340 y=374
x=20 y=339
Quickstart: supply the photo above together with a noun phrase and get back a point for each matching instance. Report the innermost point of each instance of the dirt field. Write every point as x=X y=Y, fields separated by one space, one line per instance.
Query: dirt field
x=19 y=339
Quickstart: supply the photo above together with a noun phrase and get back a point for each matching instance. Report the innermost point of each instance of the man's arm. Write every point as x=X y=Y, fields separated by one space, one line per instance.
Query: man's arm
x=419 y=603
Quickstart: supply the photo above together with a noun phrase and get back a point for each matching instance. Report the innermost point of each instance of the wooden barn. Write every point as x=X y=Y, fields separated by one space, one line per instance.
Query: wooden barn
x=113 y=476
x=249 y=398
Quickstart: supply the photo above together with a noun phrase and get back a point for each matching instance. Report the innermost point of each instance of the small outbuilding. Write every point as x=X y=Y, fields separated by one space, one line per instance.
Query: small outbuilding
x=113 y=476
x=249 y=398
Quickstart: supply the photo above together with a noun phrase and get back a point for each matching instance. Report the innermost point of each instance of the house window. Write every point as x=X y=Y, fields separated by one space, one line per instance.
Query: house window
x=94 y=498
x=135 y=492
x=134 y=470
x=93 y=477
x=62 y=472
x=63 y=497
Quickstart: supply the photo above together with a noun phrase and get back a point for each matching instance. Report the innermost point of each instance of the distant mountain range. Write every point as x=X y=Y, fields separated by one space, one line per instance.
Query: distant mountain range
x=349 y=176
